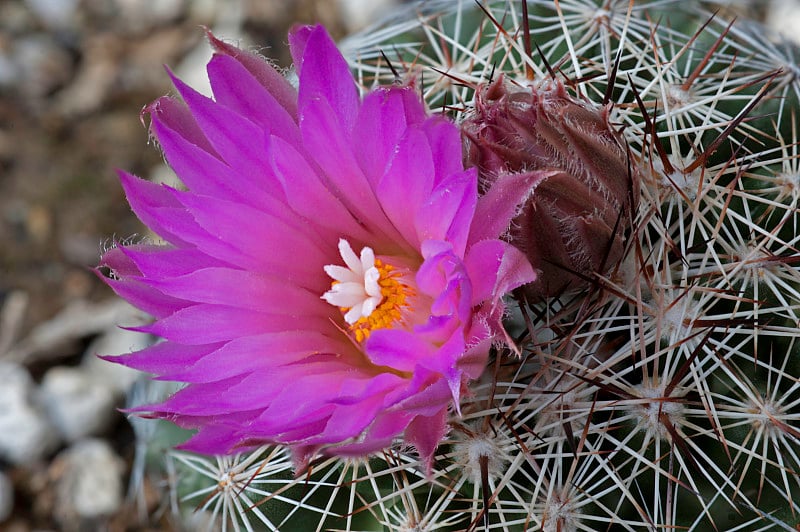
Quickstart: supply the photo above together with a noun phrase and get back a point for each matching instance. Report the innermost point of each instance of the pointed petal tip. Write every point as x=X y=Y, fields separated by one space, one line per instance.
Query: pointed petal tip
x=219 y=46
x=302 y=32
x=124 y=175
x=212 y=39
x=302 y=456
x=179 y=85
x=425 y=433
x=454 y=383
x=114 y=359
x=155 y=107
x=146 y=411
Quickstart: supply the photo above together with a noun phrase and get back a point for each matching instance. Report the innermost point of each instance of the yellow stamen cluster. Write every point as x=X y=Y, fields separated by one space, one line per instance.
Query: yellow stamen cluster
x=395 y=297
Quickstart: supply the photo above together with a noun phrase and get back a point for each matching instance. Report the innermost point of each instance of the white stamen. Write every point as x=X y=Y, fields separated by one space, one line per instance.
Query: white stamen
x=356 y=286
x=349 y=257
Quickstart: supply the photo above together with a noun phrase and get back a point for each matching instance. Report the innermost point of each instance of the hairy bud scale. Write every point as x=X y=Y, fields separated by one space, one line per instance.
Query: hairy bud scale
x=573 y=223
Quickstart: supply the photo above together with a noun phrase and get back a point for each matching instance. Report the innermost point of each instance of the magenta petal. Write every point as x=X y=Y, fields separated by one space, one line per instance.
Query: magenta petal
x=356 y=390
x=397 y=349
x=384 y=116
x=297 y=426
x=348 y=421
x=305 y=398
x=401 y=196
x=514 y=271
x=162 y=261
x=192 y=235
x=473 y=361
x=235 y=88
x=446 y=359
x=351 y=420
x=448 y=212
x=146 y=298
x=298 y=40
x=175 y=115
x=244 y=355
x=445 y=142
x=308 y=426
x=414 y=110
x=155 y=206
x=306 y=194
x=332 y=152
x=244 y=289
x=425 y=433
x=204 y=324
x=225 y=130
x=215 y=437
x=379 y=126
x=498 y=206
x=292 y=252
x=270 y=79
x=257 y=390
x=496 y=268
x=426 y=393
x=164 y=358
x=287 y=426
x=324 y=75
x=378 y=436
x=192 y=401
x=190 y=155
x=443 y=276
x=120 y=263
x=252 y=214
x=389 y=424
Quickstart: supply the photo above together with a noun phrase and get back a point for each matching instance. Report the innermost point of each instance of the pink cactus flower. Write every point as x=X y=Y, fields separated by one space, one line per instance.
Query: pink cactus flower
x=330 y=280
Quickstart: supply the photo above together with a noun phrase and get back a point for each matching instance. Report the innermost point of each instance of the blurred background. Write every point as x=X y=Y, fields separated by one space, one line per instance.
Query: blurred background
x=74 y=75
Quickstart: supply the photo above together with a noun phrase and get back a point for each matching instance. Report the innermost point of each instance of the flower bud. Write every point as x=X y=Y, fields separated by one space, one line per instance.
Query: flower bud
x=571 y=224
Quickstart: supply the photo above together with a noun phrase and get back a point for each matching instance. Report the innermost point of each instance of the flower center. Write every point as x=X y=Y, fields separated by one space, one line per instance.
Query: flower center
x=368 y=291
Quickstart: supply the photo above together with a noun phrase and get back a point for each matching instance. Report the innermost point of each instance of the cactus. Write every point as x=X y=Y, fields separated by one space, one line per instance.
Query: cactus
x=662 y=393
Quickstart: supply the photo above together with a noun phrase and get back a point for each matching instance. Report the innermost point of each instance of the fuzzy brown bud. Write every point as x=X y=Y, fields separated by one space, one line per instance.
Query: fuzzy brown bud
x=572 y=223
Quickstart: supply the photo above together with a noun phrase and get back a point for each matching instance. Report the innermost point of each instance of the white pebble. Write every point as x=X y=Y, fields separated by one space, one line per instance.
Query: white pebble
x=357 y=14
x=56 y=13
x=26 y=435
x=77 y=405
x=115 y=341
x=90 y=481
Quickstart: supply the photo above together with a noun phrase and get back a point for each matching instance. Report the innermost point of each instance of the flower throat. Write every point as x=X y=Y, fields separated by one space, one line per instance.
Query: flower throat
x=369 y=292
